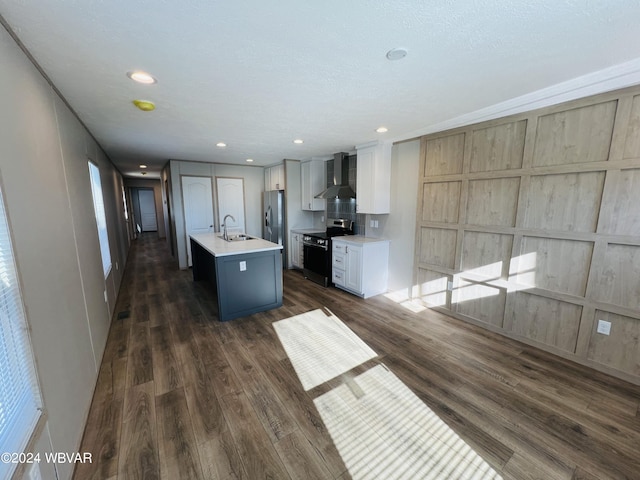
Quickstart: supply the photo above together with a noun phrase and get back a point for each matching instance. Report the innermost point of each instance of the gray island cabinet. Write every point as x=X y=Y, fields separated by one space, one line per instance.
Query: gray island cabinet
x=246 y=275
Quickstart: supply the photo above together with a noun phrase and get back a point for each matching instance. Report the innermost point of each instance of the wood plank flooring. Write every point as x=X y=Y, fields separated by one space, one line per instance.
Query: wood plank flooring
x=183 y=396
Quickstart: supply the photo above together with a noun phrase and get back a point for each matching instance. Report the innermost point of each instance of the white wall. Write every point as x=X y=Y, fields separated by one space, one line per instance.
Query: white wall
x=45 y=179
x=400 y=225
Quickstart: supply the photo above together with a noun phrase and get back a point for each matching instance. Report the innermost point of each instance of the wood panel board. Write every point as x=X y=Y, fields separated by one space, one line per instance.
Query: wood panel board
x=219 y=458
x=568 y=202
x=620 y=348
x=578 y=135
x=617 y=278
x=441 y=202
x=545 y=320
x=254 y=446
x=622 y=205
x=486 y=254
x=102 y=436
x=301 y=458
x=139 y=457
x=178 y=449
x=493 y=201
x=632 y=139
x=481 y=302
x=166 y=371
x=554 y=264
x=433 y=287
x=285 y=383
x=444 y=155
x=140 y=363
x=268 y=407
x=438 y=246
x=499 y=147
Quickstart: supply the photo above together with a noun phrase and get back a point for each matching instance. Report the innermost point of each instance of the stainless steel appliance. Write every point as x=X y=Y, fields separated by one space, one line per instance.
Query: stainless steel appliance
x=273 y=219
x=317 y=250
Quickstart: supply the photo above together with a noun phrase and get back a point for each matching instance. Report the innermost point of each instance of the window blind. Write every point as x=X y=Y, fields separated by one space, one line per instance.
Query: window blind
x=101 y=218
x=19 y=394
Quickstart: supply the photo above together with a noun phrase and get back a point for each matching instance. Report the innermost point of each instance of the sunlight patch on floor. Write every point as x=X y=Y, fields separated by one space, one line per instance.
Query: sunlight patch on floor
x=379 y=426
x=401 y=297
x=320 y=347
x=383 y=430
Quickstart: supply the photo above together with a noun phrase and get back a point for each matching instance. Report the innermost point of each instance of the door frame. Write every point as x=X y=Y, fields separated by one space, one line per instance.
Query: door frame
x=155 y=207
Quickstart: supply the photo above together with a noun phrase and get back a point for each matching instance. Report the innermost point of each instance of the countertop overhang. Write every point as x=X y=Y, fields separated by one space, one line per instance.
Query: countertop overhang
x=359 y=239
x=218 y=247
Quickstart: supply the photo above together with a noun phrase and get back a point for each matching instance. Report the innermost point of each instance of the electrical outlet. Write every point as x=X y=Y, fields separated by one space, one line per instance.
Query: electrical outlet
x=243 y=266
x=604 y=327
x=376 y=224
x=450 y=286
x=371 y=223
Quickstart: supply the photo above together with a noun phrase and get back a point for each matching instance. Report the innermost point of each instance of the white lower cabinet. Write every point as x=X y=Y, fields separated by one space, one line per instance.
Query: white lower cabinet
x=296 y=250
x=360 y=265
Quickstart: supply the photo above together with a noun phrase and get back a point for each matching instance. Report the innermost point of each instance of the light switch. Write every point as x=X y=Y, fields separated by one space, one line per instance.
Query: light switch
x=604 y=327
x=243 y=266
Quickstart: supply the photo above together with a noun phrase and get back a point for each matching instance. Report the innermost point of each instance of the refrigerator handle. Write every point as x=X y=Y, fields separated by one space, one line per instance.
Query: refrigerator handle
x=268 y=219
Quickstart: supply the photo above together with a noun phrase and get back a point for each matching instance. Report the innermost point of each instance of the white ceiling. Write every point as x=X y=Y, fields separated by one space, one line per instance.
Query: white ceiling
x=258 y=74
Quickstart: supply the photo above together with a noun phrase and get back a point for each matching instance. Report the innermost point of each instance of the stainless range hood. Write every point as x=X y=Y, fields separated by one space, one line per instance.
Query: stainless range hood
x=340 y=187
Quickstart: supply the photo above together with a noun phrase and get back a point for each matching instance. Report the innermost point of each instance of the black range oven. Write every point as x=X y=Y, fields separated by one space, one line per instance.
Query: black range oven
x=317 y=250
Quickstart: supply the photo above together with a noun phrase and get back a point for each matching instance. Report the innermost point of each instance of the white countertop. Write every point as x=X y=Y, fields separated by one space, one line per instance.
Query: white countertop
x=219 y=247
x=358 y=239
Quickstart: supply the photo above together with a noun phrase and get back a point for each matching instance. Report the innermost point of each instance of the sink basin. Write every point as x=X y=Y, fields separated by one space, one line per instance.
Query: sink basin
x=237 y=238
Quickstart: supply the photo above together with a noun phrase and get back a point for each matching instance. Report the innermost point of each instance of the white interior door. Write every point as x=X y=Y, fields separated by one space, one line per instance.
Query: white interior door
x=148 y=217
x=197 y=202
x=231 y=202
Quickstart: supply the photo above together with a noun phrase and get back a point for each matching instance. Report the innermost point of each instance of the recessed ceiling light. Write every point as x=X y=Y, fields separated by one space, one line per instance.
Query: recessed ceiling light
x=221 y=144
x=144 y=105
x=382 y=129
x=249 y=160
x=143 y=166
x=397 y=53
x=142 y=77
x=298 y=141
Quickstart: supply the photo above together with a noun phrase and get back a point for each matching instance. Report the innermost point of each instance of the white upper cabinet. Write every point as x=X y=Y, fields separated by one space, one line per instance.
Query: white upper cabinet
x=373 y=182
x=313 y=181
x=274 y=178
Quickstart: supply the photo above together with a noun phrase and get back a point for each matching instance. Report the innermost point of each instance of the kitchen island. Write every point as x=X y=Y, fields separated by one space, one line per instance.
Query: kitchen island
x=246 y=275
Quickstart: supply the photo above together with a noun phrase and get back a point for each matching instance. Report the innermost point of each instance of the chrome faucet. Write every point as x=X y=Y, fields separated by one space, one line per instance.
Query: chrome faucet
x=225 y=236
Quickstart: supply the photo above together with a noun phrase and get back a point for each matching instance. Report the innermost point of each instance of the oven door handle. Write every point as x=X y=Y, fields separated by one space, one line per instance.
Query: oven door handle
x=316 y=246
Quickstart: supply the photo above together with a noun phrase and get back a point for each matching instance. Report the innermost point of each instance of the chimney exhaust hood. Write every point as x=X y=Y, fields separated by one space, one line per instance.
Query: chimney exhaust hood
x=340 y=187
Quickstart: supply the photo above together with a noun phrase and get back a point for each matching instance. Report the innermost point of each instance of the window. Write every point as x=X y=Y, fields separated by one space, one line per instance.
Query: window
x=101 y=218
x=19 y=395
x=124 y=203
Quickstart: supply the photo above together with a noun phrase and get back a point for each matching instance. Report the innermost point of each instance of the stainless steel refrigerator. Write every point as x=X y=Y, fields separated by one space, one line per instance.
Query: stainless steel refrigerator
x=273 y=220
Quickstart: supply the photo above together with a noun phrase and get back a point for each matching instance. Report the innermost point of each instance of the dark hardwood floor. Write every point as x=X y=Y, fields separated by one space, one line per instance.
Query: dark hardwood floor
x=183 y=396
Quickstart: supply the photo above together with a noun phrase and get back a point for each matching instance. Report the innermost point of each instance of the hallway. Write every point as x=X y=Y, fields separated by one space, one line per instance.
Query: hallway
x=183 y=396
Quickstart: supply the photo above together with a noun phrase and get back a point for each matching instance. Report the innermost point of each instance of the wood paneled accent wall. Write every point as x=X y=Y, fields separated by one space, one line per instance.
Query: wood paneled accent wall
x=530 y=226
